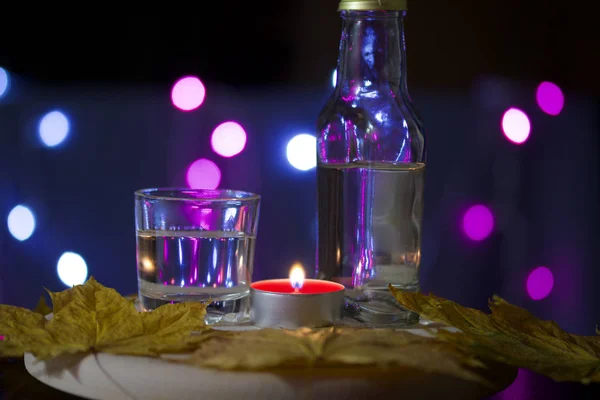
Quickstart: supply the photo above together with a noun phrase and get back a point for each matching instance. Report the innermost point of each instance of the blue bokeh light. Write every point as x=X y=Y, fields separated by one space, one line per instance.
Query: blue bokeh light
x=53 y=128
x=21 y=222
x=4 y=82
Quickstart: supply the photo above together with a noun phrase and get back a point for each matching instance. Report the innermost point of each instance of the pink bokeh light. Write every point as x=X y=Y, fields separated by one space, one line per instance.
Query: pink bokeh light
x=478 y=222
x=188 y=93
x=228 y=139
x=516 y=125
x=550 y=98
x=540 y=283
x=1 y=338
x=203 y=174
x=199 y=216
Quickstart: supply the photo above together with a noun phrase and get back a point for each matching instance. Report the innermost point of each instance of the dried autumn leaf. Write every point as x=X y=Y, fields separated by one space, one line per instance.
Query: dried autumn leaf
x=91 y=317
x=258 y=349
x=22 y=329
x=167 y=329
x=335 y=347
x=387 y=346
x=131 y=297
x=42 y=306
x=513 y=336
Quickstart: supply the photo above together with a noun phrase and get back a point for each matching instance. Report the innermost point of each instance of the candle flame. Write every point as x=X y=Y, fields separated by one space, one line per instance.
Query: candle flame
x=297 y=276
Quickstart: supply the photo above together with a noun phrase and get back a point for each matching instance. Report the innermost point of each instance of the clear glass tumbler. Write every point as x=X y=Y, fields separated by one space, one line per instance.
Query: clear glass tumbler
x=196 y=245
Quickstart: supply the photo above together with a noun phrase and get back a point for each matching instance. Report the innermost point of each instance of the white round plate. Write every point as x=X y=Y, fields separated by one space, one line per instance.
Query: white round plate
x=113 y=377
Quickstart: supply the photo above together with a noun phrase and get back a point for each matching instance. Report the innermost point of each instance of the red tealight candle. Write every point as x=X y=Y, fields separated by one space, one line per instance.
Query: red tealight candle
x=297 y=284
x=295 y=302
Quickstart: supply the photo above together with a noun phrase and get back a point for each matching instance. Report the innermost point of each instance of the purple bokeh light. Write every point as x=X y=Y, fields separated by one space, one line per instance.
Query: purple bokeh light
x=540 y=283
x=516 y=125
x=203 y=174
x=199 y=216
x=550 y=98
x=228 y=139
x=520 y=387
x=478 y=222
x=188 y=93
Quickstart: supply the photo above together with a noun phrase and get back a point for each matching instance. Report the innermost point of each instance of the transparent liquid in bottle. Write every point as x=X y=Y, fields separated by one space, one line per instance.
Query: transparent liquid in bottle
x=370 y=229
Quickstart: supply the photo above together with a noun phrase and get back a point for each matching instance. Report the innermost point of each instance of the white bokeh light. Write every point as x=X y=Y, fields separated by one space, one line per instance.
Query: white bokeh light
x=4 y=82
x=21 y=222
x=228 y=139
x=516 y=125
x=54 y=128
x=302 y=152
x=72 y=269
x=334 y=78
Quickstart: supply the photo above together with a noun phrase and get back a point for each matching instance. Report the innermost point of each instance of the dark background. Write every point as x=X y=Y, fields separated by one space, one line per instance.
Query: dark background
x=268 y=66
x=286 y=42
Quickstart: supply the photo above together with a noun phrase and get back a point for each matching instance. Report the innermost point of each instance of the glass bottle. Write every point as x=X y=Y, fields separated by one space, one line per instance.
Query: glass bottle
x=371 y=167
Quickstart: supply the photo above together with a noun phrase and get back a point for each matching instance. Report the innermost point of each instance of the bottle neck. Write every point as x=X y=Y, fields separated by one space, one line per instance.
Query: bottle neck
x=372 y=51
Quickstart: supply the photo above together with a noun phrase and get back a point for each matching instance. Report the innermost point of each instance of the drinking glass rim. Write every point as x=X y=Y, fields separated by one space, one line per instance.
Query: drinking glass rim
x=148 y=193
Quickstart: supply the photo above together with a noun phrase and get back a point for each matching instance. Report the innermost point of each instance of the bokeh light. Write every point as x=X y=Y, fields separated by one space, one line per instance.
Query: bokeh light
x=550 y=98
x=53 y=128
x=302 y=152
x=540 y=283
x=199 y=216
x=228 y=139
x=4 y=82
x=478 y=222
x=516 y=125
x=334 y=78
x=188 y=93
x=203 y=174
x=72 y=269
x=21 y=222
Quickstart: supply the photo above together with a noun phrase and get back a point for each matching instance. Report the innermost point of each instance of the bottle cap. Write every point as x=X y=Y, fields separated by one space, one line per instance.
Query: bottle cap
x=390 y=5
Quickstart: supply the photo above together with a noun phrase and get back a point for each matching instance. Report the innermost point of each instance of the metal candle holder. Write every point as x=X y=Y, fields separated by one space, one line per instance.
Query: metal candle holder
x=273 y=309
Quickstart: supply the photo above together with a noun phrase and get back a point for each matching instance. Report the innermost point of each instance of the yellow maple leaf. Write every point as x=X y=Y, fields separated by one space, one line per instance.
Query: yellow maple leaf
x=513 y=336
x=131 y=297
x=92 y=317
x=42 y=306
x=22 y=329
x=329 y=348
